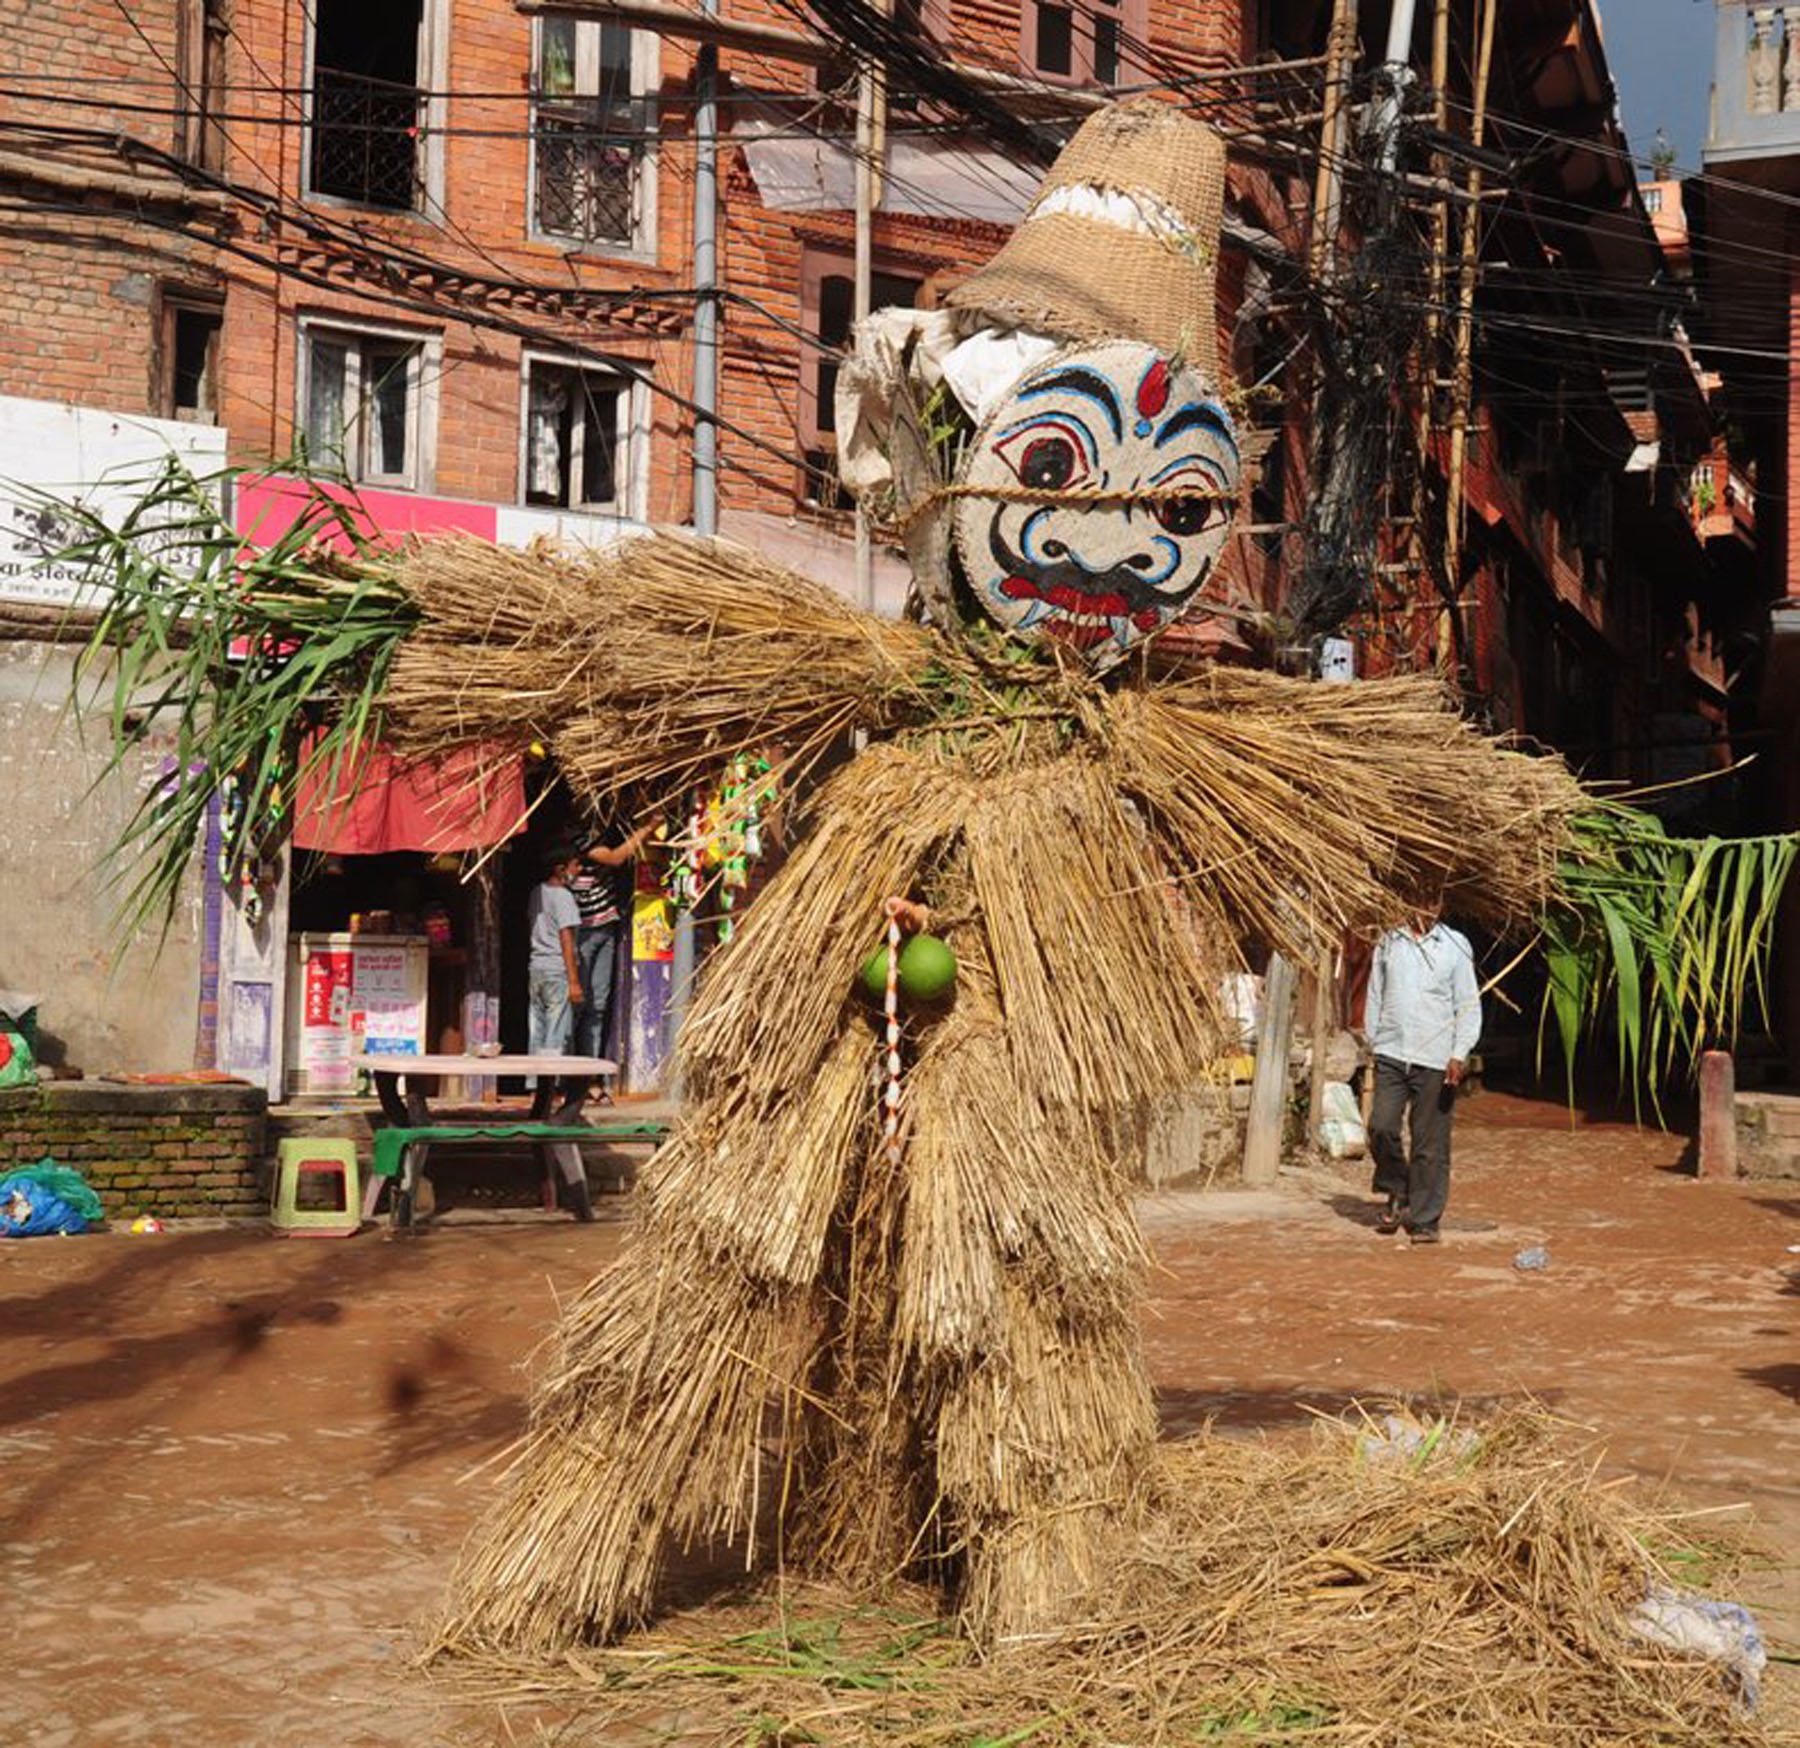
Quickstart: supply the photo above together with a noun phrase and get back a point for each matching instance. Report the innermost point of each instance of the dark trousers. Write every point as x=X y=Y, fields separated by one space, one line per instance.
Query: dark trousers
x=597 y=956
x=1421 y=1184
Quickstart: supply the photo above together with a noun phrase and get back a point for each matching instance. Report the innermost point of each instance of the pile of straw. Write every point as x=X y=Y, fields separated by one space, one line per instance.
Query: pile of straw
x=1295 y=1590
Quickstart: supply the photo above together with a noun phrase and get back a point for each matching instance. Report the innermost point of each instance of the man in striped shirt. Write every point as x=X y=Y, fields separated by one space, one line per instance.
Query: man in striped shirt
x=602 y=886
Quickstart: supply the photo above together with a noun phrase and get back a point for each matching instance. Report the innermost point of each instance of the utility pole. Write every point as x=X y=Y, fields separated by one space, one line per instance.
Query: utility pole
x=1394 y=79
x=706 y=277
x=871 y=140
x=706 y=441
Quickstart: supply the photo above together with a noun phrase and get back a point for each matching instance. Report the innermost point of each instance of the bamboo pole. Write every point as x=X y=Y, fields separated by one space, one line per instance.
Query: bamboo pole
x=1268 y=1088
x=1440 y=250
x=871 y=141
x=1462 y=373
x=1340 y=50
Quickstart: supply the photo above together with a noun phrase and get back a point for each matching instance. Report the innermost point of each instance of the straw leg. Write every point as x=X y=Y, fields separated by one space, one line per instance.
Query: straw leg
x=863 y=1475
x=652 y=1424
x=647 y=1431
x=1020 y=1281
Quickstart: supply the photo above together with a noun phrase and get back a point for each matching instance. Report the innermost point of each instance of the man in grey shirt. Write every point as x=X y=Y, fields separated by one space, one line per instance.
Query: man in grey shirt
x=552 y=974
x=1422 y=1020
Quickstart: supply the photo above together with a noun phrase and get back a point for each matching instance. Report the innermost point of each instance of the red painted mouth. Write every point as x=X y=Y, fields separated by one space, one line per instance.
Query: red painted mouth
x=1090 y=613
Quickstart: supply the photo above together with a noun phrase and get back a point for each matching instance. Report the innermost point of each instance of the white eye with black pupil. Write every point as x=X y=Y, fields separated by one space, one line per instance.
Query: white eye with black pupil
x=1048 y=464
x=1183 y=515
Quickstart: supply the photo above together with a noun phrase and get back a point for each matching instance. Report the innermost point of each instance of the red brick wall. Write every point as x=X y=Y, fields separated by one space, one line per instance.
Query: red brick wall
x=94 y=302
x=80 y=294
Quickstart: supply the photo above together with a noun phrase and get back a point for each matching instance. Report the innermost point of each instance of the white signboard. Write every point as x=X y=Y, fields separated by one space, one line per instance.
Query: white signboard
x=99 y=459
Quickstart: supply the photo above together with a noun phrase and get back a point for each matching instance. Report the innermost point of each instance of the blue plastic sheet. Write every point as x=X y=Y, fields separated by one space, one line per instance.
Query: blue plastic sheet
x=34 y=1206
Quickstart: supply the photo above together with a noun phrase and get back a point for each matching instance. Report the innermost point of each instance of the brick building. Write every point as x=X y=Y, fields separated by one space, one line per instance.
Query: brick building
x=449 y=250
x=1747 y=263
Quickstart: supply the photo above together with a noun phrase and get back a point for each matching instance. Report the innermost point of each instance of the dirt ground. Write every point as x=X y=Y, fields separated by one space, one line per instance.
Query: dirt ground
x=235 y=1470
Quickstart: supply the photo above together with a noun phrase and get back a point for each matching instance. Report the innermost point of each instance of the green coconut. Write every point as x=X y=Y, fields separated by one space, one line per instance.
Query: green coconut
x=927 y=969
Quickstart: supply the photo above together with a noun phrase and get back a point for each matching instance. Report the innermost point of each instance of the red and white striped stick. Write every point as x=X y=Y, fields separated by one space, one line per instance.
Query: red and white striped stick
x=891 y=1006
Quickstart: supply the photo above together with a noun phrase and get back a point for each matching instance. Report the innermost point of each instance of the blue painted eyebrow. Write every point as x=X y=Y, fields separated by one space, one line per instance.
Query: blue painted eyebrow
x=1206 y=463
x=1089 y=383
x=1062 y=421
x=1197 y=416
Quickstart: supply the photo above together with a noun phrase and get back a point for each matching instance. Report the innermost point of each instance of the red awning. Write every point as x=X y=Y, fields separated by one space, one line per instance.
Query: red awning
x=466 y=800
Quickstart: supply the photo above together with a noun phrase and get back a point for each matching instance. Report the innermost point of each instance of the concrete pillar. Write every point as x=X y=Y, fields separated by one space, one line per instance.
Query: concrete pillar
x=1718 y=1117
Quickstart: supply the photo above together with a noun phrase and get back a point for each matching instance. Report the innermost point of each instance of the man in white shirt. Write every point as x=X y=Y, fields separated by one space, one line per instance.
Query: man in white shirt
x=1422 y=1020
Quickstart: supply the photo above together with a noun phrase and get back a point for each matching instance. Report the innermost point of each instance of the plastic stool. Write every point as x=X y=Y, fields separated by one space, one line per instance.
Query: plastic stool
x=335 y=1159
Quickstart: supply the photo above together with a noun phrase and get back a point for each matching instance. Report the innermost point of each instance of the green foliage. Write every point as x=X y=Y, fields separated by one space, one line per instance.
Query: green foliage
x=238 y=651
x=1666 y=936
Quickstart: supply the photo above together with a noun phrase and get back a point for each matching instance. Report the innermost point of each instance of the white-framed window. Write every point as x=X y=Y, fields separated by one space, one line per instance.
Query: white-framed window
x=593 y=134
x=585 y=438
x=367 y=402
x=376 y=71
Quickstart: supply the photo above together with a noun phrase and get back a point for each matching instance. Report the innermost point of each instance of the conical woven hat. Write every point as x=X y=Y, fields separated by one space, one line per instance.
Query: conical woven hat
x=1122 y=240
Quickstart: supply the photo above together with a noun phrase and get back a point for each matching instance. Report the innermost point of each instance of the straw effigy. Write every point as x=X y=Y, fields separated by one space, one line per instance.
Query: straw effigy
x=916 y=1355
x=946 y=1348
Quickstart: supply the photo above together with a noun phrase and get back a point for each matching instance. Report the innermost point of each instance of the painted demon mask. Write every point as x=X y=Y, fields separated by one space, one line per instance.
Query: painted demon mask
x=1096 y=498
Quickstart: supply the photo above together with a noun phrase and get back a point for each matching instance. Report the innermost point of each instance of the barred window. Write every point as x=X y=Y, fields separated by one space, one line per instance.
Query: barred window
x=368 y=105
x=592 y=128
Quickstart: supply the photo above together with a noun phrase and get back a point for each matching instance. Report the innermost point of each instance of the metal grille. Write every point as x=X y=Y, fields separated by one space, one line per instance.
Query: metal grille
x=365 y=139
x=587 y=176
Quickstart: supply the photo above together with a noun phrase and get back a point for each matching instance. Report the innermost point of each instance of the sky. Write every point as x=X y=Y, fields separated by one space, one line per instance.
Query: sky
x=1661 y=55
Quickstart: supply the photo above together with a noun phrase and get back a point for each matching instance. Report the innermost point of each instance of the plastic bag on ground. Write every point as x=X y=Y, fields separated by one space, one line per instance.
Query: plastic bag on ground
x=1341 y=1131
x=46 y=1198
x=1724 y=1632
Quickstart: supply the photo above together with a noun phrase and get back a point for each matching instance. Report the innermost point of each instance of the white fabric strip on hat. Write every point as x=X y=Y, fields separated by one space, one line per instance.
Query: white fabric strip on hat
x=1141 y=214
x=986 y=365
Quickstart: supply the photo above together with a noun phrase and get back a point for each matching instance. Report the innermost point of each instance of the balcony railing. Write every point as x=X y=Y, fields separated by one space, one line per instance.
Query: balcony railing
x=365 y=139
x=1721 y=501
x=1756 y=81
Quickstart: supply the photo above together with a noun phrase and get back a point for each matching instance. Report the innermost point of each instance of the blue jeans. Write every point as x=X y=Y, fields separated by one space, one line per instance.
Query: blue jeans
x=597 y=954
x=550 y=1017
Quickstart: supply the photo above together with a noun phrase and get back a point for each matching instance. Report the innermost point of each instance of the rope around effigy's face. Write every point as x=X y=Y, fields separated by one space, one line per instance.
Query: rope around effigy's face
x=1079 y=497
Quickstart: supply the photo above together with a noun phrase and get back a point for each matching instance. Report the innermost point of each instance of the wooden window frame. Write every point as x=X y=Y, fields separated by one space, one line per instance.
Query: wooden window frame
x=174 y=302
x=432 y=74
x=424 y=366
x=646 y=74
x=1134 y=23
x=631 y=450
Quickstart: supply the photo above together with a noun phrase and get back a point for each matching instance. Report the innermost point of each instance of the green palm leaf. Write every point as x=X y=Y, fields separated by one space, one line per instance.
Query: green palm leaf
x=258 y=659
x=1670 y=934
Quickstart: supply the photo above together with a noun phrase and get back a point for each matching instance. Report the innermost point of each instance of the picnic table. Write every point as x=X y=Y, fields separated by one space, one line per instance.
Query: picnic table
x=556 y=1109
